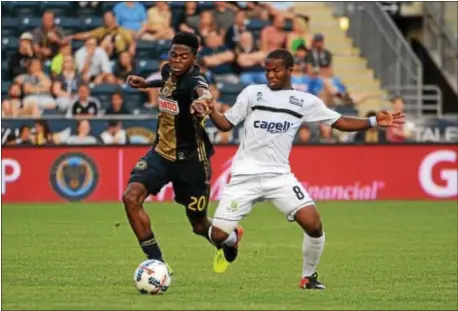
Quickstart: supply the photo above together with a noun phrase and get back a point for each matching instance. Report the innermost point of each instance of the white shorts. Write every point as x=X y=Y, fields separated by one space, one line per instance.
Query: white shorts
x=238 y=197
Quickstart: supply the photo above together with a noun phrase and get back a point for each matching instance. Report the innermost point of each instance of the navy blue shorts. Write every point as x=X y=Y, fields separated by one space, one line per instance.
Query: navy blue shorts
x=190 y=180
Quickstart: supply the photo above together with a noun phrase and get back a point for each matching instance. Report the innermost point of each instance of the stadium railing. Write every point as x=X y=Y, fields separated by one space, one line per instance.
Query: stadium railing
x=439 y=40
x=387 y=52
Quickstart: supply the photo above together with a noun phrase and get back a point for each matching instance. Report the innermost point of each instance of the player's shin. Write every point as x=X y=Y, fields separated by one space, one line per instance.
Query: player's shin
x=140 y=222
x=220 y=238
x=312 y=248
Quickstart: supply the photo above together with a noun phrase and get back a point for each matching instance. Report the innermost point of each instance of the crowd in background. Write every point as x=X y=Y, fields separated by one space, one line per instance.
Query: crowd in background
x=48 y=76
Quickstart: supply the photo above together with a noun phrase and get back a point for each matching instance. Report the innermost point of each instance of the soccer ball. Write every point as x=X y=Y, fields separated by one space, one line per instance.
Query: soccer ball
x=152 y=277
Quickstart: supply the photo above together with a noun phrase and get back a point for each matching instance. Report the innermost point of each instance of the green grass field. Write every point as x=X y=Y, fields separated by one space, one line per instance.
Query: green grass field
x=379 y=255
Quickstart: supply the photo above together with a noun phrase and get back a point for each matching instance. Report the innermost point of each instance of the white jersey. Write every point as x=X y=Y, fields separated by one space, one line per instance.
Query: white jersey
x=272 y=119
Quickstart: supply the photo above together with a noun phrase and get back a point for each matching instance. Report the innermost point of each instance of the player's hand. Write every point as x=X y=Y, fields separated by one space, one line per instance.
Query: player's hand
x=389 y=119
x=136 y=82
x=202 y=107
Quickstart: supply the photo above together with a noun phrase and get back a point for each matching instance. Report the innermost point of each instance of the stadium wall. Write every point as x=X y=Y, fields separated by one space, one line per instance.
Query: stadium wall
x=100 y=174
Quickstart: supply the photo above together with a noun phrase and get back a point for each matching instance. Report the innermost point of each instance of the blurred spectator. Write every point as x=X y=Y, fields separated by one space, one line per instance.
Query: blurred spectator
x=303 y=135
x=113 y=38
x=304 y=83
x=43 y=134
x=276 y=8
x=20 y=60
x=13 y=106
x=82 y=137
x=316 y=83
x=124 y=67
x=204 y=70
x=274 y=37
x=371 y=136
x=334 y=89
x=223 y=15
x=153 y=93
x=130 y=15
x=117 y=105
x=58 y=60
x=114 y=134
x=37 y=86
x=254 y=10
x=232 y=36
x=318 y=56
x=84 y=104
x=326 y=135
x=189 y=19
x=218 y=58
x=66 y=84
x=398 y=135
x=250 y=60
x=47 y=38
x=223 y=137
x=219 y=106
x=299 y=36
x=10 y=140
x=301 y=55
x=159 y=23
x=93 y=63
x=25 y=135
x=206 y=25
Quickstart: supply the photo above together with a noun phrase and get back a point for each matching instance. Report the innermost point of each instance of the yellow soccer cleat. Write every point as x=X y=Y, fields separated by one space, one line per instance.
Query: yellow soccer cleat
x=220 y=264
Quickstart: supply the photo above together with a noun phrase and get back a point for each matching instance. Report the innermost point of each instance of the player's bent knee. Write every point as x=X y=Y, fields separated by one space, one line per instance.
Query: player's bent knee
x=309 y=219
x=315 y=229
x=200 y=228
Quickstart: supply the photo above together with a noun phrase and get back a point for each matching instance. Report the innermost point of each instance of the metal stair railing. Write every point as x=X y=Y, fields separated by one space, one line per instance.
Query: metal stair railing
x=387 y=52
x=439 y=39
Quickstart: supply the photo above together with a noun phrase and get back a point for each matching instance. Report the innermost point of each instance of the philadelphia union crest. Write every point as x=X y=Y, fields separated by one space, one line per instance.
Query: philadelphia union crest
x=74 y=176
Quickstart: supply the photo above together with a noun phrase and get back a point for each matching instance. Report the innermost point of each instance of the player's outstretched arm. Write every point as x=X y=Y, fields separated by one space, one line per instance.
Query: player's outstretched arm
x=204 y=107
x=220 y=121
x=382 y=119
x=138 y=82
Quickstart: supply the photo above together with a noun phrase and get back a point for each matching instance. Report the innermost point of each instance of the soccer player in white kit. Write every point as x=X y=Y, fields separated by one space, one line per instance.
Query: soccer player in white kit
x=273 y=114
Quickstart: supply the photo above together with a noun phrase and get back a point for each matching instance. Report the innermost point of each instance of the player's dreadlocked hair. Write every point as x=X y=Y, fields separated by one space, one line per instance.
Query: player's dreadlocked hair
x=187 y=38
x=284 y=55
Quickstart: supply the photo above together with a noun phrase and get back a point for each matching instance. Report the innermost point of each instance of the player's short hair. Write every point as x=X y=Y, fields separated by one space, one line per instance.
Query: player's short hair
x=284 y=55
x=188 y=39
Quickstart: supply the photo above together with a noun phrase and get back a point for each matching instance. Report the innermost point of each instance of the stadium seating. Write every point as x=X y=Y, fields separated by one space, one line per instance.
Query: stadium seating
x=146 y=66
x=347 y=63
x=10 y=26
x=5 y=86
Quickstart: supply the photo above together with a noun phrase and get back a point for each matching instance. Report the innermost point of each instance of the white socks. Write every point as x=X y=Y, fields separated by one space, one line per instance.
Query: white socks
x=230 y=241
x=312 y=248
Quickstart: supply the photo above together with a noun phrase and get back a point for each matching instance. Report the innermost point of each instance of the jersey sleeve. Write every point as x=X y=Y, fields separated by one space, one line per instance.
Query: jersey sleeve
x=198 y=81
x=318 y=112
x=241 y=108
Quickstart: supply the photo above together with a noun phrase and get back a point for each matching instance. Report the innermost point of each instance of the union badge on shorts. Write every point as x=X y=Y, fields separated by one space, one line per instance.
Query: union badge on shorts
x=141 y=165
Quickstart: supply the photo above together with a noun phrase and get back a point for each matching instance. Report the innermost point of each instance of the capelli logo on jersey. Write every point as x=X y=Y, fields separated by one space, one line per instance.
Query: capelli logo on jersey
x=273 y=127
x=168 y=106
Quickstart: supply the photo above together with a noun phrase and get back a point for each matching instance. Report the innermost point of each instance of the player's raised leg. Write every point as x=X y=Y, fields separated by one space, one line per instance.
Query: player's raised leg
x=148 y=177
x=236 y=202
x=290 y=197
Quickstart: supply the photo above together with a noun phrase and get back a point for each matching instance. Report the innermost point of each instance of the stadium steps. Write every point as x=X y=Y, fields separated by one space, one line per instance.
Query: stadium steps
x=348 y=65
x=451 y=16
